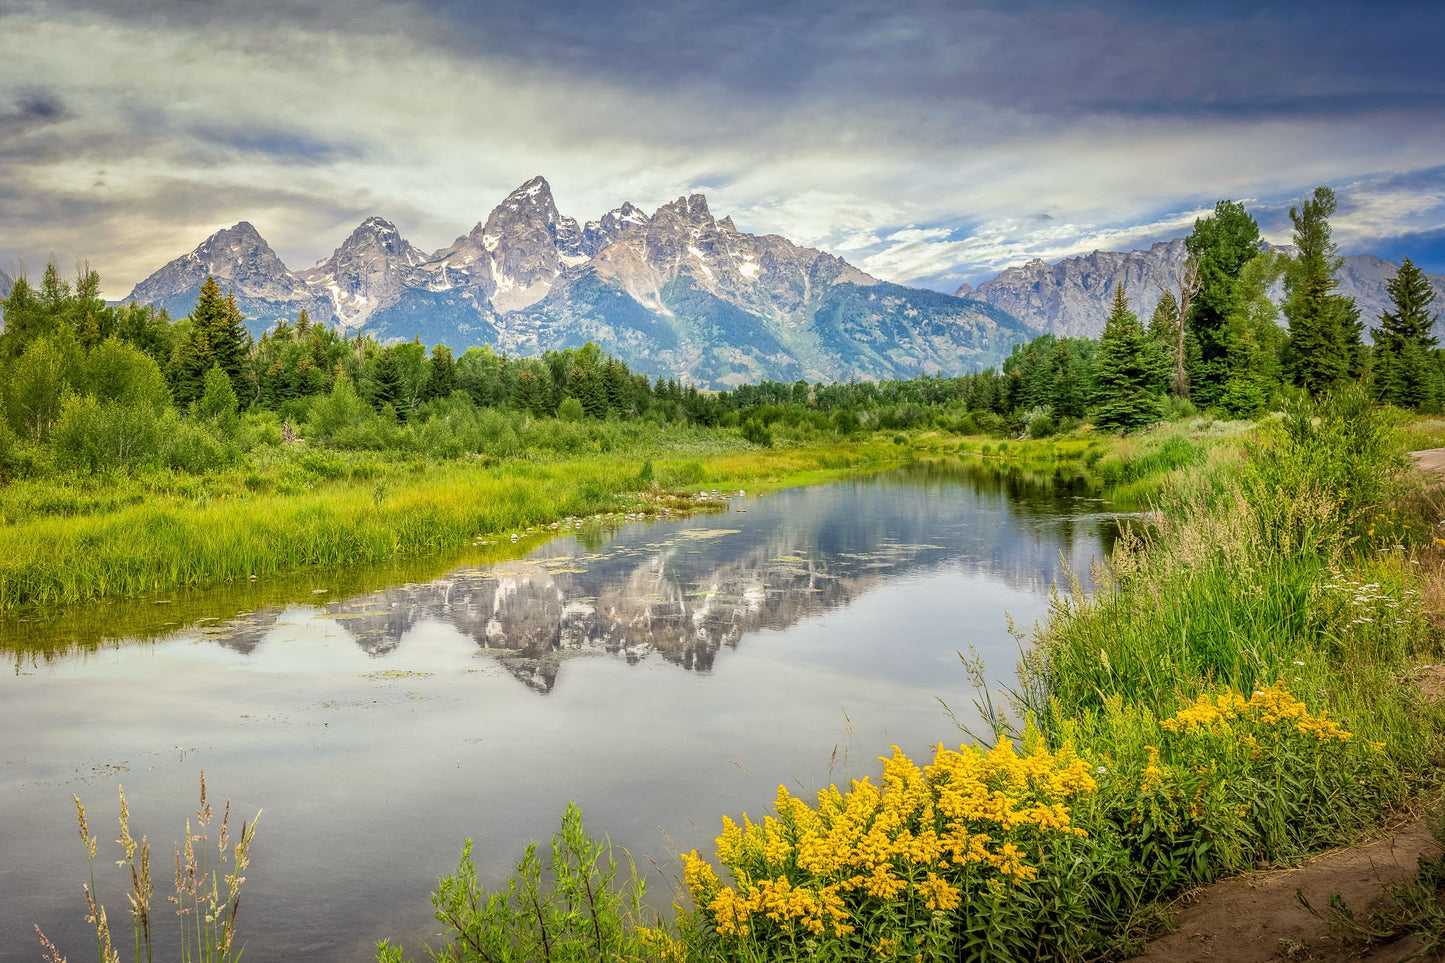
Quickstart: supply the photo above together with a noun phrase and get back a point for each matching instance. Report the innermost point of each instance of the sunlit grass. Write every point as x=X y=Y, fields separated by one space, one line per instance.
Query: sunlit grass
x=354 y=511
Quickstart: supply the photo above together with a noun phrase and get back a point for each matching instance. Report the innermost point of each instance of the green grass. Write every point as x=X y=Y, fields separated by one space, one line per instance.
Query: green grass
x=323 y=510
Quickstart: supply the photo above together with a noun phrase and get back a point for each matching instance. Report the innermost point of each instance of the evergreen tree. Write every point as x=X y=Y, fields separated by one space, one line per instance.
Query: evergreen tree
x=1164 y=330
x=1068 y=397
x=1252 y=337
x=1129 y=372
x=442 y=373
x=22 y=312
x=1324 y=327
x=386 y=383
x=1403 y=342
x=217 y=339
x=1220 y=246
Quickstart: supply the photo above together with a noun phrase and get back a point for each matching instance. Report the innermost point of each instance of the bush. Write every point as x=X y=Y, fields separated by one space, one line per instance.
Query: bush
x=1039 y=423
x=341 y=414
x=570 y=410
x=217 y=405
x=755 y=431
x=93 y=436
x=189 y=447
x=584 y=910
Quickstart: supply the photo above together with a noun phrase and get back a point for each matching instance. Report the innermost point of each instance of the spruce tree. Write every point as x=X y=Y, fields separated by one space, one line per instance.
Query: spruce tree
x=1129 y=371
x=1324 y=327
x=1220 y=247
x=217 y=339
x=1404 y=343
x=1164 y=324
x=441 y=378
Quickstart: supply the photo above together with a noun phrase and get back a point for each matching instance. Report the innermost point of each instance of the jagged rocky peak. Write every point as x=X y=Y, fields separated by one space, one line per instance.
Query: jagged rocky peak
x=692 y=209
x=244 y=264
x=370 y=270
x=534 y=203
x=1071 y=297
x=513 y=258
x=238 y=257
x=601 y=232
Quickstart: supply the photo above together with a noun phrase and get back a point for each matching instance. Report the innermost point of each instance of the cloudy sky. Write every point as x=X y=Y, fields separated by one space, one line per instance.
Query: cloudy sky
x=929 y=142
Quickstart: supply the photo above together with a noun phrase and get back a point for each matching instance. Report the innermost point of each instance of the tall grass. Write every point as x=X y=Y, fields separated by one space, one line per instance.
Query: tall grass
x=362 y=514
x=207 y=896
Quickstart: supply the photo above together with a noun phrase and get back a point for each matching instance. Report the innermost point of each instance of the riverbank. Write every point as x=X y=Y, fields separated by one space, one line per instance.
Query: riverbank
x=290 y=509
x=93 y=538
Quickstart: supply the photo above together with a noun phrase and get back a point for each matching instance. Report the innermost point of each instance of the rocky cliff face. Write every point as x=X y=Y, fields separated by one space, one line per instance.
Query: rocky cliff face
x=244 y=264
x=1072 y=297
x=513 y=259
x=678 y=293
x=1364 y=277
x=5 y=284
x=371 y=269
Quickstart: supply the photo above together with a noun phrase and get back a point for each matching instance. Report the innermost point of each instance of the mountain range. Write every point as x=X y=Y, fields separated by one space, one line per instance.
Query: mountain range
x=675 y=293
x=1072 y=297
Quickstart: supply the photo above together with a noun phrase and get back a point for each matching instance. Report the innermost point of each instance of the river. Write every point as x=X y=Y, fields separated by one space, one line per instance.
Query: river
x=660 y=675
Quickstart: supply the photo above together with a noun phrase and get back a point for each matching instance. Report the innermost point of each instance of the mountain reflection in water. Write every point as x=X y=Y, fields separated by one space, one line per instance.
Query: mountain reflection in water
x=685 y=589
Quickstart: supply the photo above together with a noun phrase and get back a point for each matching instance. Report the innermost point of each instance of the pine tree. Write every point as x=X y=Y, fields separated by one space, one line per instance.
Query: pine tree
x=1164 y=324
x=1129 y=371
x=22 y=321
x=442 y=373
x=1324 y=327
x=217 y=339
x=1220 y=247
x=1067 y=397
x=1403 y=342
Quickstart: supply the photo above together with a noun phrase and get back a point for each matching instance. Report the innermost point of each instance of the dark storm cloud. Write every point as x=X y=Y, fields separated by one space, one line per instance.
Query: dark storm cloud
x=30 y=109
x=1039 y=57
x=929 y=57
x=922 y=139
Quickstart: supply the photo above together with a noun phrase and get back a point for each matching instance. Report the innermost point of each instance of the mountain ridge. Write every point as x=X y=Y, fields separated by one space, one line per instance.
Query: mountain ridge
x=1071 y=297
x=677 y=293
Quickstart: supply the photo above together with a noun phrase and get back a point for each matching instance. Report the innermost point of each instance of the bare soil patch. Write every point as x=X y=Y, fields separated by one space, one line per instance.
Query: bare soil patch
x=1430 y=460
x=1258 y=918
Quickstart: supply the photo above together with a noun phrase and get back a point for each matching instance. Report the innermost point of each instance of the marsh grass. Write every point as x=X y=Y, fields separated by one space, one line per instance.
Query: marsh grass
x=207 y=896
x=355 y=511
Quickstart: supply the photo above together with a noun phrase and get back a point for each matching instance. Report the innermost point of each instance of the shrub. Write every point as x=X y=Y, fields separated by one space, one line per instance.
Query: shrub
x=586 y=910
x=189 y=447
x=1039 y=423
x=93 y=436
x=756 y=431
x=570 y=410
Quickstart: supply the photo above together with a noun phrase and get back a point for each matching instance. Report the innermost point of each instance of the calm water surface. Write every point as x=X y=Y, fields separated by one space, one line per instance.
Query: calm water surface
x=660 y=675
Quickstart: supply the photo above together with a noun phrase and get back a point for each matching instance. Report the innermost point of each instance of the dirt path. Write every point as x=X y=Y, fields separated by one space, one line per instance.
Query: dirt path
x=1258 y=918
x=1431 y=459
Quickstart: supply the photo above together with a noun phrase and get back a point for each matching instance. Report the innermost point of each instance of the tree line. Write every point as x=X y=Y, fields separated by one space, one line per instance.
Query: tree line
x=86 y=375
x=1216 y=340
